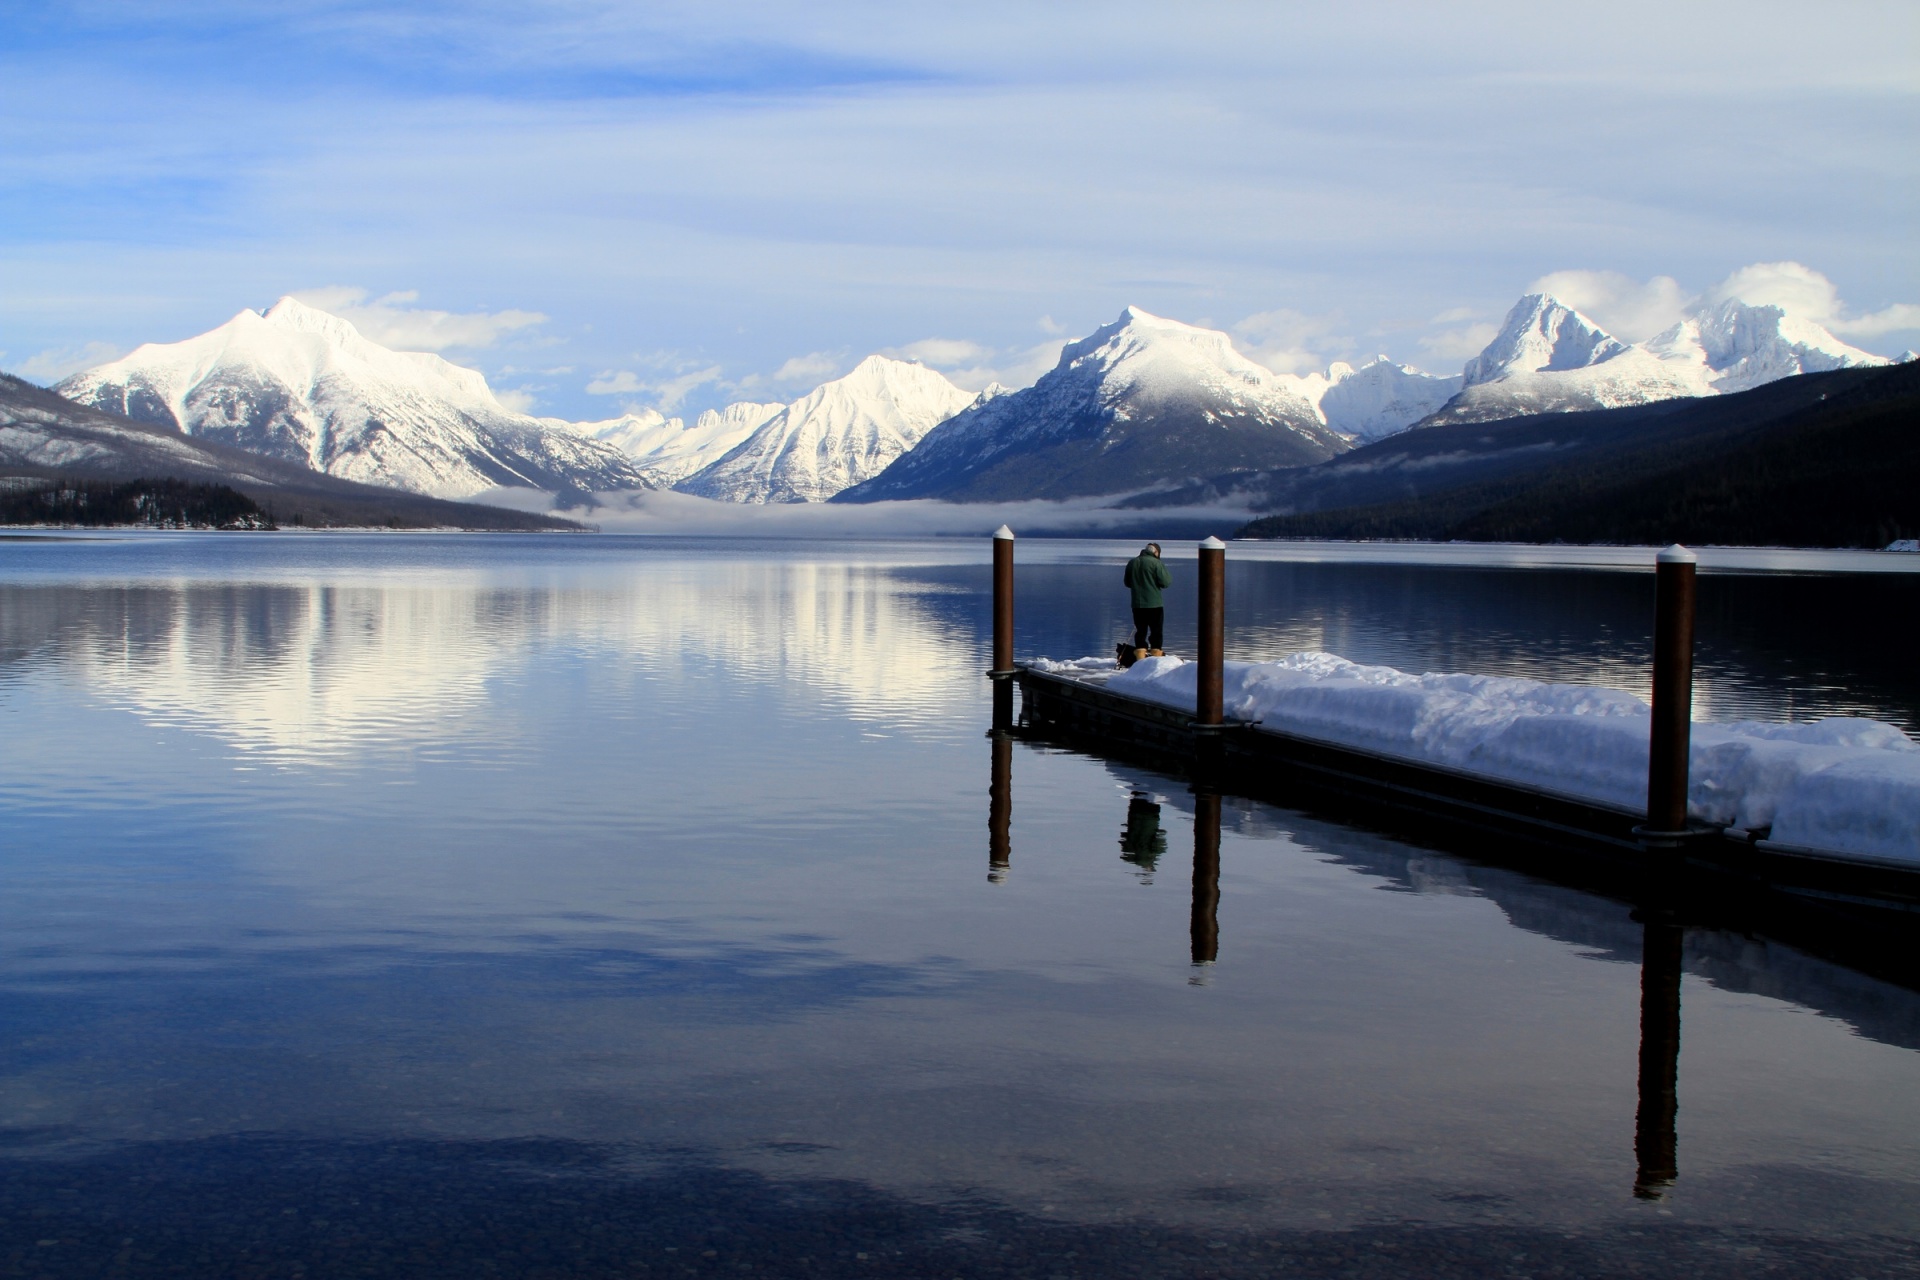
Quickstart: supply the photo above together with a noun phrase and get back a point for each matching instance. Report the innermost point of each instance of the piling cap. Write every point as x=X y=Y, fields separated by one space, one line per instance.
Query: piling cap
x=1003 y=532
x=1677 y=554
x=1213 y=544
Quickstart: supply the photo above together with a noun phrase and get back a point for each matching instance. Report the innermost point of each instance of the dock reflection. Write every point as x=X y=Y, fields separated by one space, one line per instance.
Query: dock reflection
x=1655 y=1143
x=1000 y=808
x=1206 y=877
x=1142 y=840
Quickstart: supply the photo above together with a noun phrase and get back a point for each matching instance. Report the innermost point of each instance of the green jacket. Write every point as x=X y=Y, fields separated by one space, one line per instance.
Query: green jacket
x=1147 y=575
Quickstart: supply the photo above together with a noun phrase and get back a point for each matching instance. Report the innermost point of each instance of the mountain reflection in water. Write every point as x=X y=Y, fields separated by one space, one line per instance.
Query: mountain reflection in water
x=558 y=906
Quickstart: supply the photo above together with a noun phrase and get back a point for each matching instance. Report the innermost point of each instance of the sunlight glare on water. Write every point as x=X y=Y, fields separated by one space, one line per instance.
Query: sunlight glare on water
x=676 y=855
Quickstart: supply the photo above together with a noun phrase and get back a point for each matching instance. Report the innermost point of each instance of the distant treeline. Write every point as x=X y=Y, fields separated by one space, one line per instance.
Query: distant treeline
x=1844 y=472
x=163 y=504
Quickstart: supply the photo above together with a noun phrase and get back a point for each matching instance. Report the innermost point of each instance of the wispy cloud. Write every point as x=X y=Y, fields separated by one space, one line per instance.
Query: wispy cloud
x=1289 y=341
x=1801 y=291
x=665 y=393
x=974 y=366
x=393 y=321
x=1455 y=336
x=50 y=366
x=1627 y=308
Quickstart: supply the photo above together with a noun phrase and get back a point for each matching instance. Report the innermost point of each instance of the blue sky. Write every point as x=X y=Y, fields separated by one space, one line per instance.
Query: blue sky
x=683 y=204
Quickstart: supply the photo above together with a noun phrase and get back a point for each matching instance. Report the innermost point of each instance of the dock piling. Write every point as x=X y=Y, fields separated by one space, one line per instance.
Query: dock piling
x=1002 y=602
x=1003 y=670
x=1210 y=685
x=1670 y=743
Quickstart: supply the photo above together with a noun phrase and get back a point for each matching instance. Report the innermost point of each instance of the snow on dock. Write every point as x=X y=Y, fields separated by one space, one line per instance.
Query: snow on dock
x=1840 y=786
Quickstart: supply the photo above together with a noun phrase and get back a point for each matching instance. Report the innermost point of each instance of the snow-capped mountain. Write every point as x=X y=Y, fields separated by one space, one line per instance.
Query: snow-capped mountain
x=1375 y=400
x=1735 y=347
x=1136 y=404
x=302 y=385
x=1549 y=358
x=836 y=436
x=667 y=450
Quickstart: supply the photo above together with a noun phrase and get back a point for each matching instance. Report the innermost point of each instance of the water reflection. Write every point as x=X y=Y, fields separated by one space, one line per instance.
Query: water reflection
x=1205 y=926
x=1141 y=839
x=727 y=904
x=327 y=671
x=1654 y=1137
x=1000 y=808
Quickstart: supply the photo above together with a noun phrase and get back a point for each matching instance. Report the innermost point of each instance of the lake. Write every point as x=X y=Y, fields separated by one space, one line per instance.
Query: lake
x=552 y=906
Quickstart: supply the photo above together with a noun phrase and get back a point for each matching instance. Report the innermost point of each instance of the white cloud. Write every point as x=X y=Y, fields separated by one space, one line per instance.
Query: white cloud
x=1450 y=348
x=1289 y=341
x=814 y=367
x=623 y=382
x=1803 y=292
x=391 y=322
x=55 y=363
x=973 y=366
x=665 y=392
x=942 y=353
x=518 y=399
x=1625 y=307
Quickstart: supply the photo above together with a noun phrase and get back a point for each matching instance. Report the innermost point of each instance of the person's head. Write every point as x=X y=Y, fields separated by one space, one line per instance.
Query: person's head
x=1151 y=549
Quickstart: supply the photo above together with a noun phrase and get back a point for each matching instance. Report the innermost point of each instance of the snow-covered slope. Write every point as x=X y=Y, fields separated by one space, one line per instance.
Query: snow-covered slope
x=1137 y=404
x=1735 y=347
x=305 y=386
x=1548 y=358
x=667 y=450
x=1376 y=400
x=834 y=437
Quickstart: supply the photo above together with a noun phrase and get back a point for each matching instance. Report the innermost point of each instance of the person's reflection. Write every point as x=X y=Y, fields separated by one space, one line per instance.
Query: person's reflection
x=1141 y=840
x=1654 y=1140
x=1206 y=877
x=1000 y=809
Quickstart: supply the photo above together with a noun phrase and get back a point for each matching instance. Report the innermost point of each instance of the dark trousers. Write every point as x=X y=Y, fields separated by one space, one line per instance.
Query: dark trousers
x=1147 y=624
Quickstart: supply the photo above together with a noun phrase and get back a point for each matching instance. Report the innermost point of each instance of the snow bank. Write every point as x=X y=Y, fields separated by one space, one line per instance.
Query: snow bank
x=1838 y=785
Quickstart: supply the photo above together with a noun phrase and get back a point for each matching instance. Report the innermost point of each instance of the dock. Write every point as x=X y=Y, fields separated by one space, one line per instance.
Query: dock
x=1862 y=910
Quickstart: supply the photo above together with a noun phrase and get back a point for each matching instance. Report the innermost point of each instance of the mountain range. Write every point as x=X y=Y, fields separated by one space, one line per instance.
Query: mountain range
x=1820 y=459
x=1142 y=404
x=1142 y=397
x=47 y=438
x=1548 y=358
x=304 y=386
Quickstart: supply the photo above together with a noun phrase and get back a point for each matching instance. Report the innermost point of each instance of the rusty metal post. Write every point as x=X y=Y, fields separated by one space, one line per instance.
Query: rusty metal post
x=1205 y=926
x=1210 y=686
x=1000 y=810
x=1671 y=741
x=1655 y=1145
x=1002 y=601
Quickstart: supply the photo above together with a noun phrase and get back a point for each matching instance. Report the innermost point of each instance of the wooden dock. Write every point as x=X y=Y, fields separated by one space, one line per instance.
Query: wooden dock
x=1868 y=909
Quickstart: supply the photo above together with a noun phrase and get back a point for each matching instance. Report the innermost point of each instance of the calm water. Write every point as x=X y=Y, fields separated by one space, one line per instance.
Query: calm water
x=596 y=906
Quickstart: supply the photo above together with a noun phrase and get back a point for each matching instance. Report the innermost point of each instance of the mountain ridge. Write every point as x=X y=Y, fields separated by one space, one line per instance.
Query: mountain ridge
x=44 y=436
x=306 y=386
x=1121 y=408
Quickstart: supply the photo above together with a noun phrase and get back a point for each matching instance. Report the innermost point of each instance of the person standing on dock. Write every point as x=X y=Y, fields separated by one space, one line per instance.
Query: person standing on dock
x=1147 y=576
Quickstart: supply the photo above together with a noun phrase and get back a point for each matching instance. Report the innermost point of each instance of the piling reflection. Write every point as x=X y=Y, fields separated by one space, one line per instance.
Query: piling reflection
x=1000 y=808
x=1654 y=1139
x=1142 y=840
x=1206 y=877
